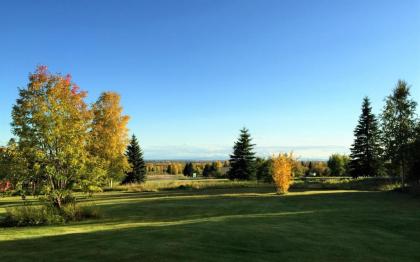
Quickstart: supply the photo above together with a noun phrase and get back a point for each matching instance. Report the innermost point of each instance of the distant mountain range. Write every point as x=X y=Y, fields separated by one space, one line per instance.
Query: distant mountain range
x=205 y=153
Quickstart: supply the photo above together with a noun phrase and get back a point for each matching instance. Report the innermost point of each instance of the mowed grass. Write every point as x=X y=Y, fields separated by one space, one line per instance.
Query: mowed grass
x=242 y=224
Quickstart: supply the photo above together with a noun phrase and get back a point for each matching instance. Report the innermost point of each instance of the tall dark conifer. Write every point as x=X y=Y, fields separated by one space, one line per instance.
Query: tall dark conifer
x=207 y=170
x=366 y=151
x=136 y=161
x=242 y=161
x=188 y=169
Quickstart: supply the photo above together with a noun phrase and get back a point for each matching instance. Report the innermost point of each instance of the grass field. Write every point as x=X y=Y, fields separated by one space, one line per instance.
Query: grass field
x=242 y=224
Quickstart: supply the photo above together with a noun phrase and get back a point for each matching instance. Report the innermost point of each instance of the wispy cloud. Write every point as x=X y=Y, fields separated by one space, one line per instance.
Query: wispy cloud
x=184 y=152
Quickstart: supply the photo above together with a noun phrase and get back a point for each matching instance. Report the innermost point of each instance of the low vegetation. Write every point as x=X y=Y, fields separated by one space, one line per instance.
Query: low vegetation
x=187 y=184
x=44 y=214
x=241 y=224
x=332 y=183
x=340 y=183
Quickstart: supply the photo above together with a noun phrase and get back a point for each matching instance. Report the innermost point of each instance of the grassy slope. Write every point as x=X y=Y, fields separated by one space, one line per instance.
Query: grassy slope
x=236 y=225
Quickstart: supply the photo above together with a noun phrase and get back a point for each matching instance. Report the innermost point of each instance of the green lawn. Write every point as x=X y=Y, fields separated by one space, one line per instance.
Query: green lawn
x=242 y=224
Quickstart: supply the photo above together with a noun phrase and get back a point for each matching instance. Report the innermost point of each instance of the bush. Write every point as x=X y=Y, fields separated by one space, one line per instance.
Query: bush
x=282 y=172
x=74 y=212
x=29 y=215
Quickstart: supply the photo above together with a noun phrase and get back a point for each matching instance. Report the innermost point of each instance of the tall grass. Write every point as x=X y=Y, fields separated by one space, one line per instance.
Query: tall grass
x=365 y=183
x=161 y=185
x=377 y=184
x=37 y=215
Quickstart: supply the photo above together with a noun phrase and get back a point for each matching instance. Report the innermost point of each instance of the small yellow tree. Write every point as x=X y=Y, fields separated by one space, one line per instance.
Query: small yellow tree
x=282 y=166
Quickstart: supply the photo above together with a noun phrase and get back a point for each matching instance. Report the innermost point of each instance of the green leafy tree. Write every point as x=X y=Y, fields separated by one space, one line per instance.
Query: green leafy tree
x=366 y=150
x=134 y=154
x=320 y=168
x=51 y=122
x=242 y=161
x=338 y=164
x=13 y=167
x=398 y=129
x=299 y=168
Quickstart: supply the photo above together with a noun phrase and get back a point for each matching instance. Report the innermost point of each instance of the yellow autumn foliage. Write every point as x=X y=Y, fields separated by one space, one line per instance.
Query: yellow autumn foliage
x=109 y=134
x=282 y=167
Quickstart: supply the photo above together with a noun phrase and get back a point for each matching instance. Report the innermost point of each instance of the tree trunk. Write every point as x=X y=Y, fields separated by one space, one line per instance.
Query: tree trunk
x=58 y=202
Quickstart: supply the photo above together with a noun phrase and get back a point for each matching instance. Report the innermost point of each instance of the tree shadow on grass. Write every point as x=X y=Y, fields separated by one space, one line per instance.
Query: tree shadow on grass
x=108 y=196
x=192 y=205
x=249 y=228
x=175 y=206
x=181 y=240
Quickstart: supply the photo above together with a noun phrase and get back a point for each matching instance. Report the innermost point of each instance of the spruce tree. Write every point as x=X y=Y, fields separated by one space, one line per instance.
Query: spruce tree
x=207 y=170
x=242 y=161
x=398 y=129
x=136 y=161
x=188 y=169
x=366 y=151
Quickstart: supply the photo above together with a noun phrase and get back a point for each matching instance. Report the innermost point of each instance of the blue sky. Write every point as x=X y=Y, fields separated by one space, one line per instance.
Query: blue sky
x=192 y=73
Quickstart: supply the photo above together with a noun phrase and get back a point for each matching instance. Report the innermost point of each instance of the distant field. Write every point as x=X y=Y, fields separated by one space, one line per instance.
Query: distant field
x=241 y=224
x=166 y=177
x=157 y=183
x=162 y=184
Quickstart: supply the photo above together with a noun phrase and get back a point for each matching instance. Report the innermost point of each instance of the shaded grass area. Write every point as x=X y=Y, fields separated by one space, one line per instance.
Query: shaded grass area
x=340 y=183
x=242 y=224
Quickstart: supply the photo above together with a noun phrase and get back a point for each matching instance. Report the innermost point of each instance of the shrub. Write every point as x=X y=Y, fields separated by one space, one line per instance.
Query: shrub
x=74 y=212
x=28 y=215
x=282 y=166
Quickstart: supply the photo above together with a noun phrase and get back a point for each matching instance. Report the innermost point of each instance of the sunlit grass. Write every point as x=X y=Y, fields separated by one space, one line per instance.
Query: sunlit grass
x=247 y=224
x=170 y=184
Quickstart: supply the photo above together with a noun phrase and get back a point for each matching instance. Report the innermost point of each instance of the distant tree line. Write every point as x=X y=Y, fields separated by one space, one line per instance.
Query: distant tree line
x=215 y=168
